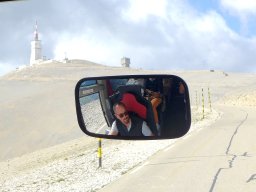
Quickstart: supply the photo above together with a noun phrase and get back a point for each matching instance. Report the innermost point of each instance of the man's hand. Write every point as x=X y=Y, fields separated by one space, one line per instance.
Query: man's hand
x=156 y=94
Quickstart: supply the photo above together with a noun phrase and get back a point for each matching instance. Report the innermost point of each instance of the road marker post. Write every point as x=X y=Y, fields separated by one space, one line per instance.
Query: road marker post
x=203 y=101
x=100 y=152
x=196 y=101
x=209 y=99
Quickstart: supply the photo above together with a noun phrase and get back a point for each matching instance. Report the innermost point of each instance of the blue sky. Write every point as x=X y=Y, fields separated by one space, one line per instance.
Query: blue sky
x=155 y=34
x=204 y=6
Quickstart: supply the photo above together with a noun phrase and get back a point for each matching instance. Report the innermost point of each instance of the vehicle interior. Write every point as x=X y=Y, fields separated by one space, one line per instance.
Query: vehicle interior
x=173 y=114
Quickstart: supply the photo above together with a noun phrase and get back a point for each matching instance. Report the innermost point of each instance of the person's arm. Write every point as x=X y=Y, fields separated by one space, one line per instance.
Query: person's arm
x=113 y=130
x=156 y=94
x=181 y=88
x=146 y=130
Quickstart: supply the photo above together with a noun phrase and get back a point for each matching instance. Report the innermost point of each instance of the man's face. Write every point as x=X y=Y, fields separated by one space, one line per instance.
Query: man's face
x=122 y=114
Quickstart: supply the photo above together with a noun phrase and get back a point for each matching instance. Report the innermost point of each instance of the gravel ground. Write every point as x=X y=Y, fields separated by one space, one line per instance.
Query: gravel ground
x=80 y=171
x=93 y=116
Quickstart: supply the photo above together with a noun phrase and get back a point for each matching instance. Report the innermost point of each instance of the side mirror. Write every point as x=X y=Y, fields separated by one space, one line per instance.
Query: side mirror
x=133 y=107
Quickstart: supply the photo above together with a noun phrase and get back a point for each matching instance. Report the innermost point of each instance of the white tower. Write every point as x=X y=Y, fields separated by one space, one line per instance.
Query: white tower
x=35 y=48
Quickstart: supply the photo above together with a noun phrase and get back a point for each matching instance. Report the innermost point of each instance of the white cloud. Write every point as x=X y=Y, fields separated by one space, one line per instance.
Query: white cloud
x=139 y=10
x=209 y=23
x=178 y=37
x=164 y=34
x=240 y=6
x=89 y=47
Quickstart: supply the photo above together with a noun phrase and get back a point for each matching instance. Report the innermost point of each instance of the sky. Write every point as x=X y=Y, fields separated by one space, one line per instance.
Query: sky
x=154 y=34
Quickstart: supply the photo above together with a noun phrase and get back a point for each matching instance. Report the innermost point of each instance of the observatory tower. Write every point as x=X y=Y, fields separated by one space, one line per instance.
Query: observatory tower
x=36 y=48
x=125 y=62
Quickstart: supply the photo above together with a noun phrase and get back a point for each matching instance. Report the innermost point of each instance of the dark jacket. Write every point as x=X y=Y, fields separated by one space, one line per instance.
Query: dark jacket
x=136 y=127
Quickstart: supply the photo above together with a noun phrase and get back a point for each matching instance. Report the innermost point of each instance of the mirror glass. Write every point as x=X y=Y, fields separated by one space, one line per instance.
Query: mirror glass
x=128 y=107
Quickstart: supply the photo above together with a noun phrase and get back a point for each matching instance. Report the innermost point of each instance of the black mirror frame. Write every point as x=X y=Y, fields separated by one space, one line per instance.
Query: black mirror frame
x=81 y=120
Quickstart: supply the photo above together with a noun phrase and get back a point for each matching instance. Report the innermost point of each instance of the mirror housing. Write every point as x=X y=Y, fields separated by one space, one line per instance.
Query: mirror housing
x=141 y=107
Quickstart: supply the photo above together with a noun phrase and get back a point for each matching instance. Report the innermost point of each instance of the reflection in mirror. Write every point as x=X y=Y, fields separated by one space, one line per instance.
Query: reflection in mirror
x=141 y=106
x=92 y=113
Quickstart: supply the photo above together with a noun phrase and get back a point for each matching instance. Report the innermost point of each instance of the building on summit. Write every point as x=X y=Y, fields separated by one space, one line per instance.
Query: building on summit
x=125 y=62
x=36 y=49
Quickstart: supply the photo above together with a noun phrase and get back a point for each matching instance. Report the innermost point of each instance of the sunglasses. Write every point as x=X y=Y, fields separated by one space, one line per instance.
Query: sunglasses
x=121 y=115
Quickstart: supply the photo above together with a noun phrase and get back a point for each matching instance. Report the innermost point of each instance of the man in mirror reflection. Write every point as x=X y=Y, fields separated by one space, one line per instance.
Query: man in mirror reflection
x=128 y=124
x=152 y=91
